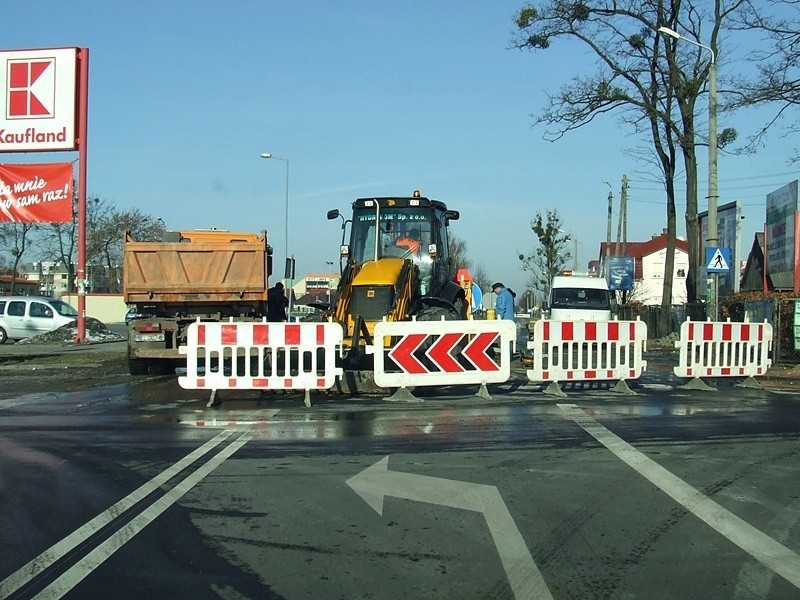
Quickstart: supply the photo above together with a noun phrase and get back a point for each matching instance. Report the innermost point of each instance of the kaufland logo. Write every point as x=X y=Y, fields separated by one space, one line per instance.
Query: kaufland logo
x=31 y=88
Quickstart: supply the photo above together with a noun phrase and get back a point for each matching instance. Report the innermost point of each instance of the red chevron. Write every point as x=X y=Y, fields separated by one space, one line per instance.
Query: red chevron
x=476 y=351
x=403 y=354
x=440 y=351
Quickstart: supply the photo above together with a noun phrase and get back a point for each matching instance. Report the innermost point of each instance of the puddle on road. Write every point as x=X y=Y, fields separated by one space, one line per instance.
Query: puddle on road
x=282 y=416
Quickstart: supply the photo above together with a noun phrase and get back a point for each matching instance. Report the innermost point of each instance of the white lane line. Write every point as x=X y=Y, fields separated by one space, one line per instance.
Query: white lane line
x=763 y=548
x=96 y=557
x=35 y=567
x=754 y=580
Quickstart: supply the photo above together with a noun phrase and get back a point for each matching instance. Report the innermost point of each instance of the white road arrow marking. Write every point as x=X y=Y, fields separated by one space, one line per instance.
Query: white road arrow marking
x=374 y=483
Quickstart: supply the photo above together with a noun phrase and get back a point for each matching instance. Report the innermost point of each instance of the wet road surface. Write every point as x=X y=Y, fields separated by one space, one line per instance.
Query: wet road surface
x=135 y=489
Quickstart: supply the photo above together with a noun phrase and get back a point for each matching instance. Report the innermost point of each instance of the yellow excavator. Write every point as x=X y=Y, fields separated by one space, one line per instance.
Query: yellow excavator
x=395 y=265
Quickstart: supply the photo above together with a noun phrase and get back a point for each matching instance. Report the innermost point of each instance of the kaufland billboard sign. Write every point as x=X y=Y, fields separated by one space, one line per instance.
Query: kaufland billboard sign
x=38 y=102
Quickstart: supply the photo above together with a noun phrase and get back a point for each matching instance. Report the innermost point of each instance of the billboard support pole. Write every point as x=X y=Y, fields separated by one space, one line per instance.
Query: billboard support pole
x=796 y=252
x=764 y=266
x=83 y=104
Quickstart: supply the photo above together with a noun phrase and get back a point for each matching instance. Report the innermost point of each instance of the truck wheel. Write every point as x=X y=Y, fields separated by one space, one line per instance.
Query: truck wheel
x=3 y=336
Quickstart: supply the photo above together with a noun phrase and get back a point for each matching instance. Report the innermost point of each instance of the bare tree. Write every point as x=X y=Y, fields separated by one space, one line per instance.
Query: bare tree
x=777 y=84
x=550 y=255
x=457 y=253
x=653 y=86
x=480 y=277
x=16 y=237
x=109 y=237
x=58 y=243
x=105 y=234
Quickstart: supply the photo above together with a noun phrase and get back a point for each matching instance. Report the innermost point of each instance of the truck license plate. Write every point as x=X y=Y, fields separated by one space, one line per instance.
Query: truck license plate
x=149 y=337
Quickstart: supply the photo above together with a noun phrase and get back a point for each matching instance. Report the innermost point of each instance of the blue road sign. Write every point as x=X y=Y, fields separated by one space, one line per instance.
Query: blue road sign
x=718 y=260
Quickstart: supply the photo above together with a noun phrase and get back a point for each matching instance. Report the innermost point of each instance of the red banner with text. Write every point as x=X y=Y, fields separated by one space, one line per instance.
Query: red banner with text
x=36 y=193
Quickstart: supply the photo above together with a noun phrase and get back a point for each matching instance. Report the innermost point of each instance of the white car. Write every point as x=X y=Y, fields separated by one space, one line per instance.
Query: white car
x=26 y=316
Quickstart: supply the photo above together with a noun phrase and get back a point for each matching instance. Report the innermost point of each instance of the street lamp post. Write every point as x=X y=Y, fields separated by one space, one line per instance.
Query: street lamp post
x=285 y=221
x=712 y=159
x=575 y=254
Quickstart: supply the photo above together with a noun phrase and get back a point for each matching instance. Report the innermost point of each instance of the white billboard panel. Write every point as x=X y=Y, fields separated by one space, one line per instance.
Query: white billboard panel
x=781 y=206
x=38 y=99
x=729 y=218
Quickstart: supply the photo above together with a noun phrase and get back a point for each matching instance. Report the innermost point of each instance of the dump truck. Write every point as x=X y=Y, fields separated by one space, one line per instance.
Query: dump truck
x=211 y=275
x=395 y=266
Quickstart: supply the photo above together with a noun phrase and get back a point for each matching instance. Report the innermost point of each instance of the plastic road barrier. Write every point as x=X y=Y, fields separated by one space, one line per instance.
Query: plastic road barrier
x=426 y=353
x=587 y=350
x=723 y=349
x=253 y=355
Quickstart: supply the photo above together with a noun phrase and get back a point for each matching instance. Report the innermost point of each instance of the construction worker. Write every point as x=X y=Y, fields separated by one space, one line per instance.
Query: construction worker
x=410 y=241
x=504 y=304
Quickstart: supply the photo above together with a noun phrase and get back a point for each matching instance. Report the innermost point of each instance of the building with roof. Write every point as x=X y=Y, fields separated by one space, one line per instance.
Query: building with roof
x=649 y=259
x=22 y=285
x=313 y=290
x=753 y=278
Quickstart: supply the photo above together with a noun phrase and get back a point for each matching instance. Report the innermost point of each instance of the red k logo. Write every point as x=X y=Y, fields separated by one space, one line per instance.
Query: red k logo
x=31 y=88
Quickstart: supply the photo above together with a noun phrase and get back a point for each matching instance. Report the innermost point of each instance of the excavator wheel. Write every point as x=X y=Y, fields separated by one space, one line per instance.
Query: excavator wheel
x=436 y=313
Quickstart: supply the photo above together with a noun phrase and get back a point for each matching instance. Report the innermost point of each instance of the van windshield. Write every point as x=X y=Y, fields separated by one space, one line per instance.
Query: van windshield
x=581 y=298
x=63 y=308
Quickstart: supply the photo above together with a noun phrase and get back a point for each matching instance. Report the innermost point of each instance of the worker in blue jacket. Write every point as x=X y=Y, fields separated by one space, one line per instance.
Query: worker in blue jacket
x=504 y=305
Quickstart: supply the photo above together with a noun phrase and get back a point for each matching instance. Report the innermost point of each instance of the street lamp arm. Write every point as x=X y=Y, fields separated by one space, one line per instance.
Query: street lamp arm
x=675 y=35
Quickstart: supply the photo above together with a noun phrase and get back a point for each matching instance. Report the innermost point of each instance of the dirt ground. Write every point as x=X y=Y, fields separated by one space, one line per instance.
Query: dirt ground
x=67 y=372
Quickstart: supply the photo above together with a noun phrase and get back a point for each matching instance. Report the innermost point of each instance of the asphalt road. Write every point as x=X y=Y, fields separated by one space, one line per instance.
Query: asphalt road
x=115 y=487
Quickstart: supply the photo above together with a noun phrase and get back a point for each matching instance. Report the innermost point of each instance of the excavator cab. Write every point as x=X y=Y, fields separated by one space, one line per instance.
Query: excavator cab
x=396 y=266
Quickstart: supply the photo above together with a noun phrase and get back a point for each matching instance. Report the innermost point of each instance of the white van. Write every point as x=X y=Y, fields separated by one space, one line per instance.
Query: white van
x=26 y=316
x=581 y=298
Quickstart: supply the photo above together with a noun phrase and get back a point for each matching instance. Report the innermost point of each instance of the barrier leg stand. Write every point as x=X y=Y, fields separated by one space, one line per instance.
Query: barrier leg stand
x=307 y=398
x=554 y=390
x=698 y=384
x=402 y=394
x=214 y=400
x=750 y=383
x=622 y=388
x=483 y=392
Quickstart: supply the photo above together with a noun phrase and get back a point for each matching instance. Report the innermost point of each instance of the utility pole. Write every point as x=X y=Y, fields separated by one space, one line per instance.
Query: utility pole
x=713 y=196
x=622 y=223
x=608 y=231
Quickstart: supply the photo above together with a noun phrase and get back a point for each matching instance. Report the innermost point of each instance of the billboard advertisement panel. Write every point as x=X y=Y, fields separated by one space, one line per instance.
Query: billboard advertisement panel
x=38 y=95
x=620 y=273
x=36 y=193
x=729 y=218
x=781 y=207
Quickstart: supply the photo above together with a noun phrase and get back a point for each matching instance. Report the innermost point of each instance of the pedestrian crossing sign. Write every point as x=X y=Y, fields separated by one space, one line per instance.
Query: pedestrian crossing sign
x=718 y=260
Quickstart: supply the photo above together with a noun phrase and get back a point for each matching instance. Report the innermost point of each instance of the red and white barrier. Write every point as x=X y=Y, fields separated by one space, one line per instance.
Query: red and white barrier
x=425 y=353
x=587 y=350
x=264 y=356
x=716 y=349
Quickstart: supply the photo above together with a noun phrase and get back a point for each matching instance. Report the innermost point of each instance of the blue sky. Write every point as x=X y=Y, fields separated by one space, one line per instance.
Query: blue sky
x=364 y=99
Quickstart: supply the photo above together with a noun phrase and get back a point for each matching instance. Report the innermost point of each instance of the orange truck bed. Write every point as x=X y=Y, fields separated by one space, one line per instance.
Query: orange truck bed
x=204 y=267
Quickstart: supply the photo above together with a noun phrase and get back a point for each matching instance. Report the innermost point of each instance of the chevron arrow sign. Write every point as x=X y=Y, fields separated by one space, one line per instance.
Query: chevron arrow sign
x=443 y=352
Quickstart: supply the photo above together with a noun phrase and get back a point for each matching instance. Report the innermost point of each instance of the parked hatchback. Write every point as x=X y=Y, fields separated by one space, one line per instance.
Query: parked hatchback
x=26 y=316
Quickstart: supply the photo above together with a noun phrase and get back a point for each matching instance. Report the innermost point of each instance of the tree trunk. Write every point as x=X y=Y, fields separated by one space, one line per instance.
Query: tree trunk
x=669 y=264
x=692 y=235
